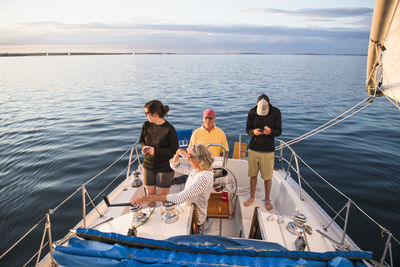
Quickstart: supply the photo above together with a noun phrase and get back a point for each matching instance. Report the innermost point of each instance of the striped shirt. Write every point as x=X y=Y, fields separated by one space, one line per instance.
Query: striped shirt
x=197 y=190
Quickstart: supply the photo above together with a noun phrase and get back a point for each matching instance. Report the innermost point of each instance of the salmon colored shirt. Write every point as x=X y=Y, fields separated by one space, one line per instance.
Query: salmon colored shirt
x=215 y=136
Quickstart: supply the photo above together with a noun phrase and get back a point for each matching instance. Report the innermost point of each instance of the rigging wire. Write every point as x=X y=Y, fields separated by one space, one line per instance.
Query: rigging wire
x=19 y=240
x=90 y=180
x=59 y=205
x=322 y=199
x=380 y=226
x=107 y=186
x=112 y=164
x=34 y=255
x=345 y=196
x=307 y=135
x=330 y=123
x=384 y=230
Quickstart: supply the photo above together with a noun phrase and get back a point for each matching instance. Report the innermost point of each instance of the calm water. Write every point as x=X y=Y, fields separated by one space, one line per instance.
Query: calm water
x=64 y=119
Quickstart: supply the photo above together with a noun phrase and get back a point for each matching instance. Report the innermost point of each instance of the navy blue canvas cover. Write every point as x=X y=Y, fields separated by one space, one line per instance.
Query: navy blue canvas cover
x=111 y=249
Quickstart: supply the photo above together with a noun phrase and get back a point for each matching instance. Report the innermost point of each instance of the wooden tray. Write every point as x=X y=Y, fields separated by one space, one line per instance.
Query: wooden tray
x=218 y=208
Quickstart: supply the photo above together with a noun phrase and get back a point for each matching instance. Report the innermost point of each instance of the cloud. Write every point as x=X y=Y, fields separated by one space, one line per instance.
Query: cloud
x=210 y=29
x=189 y=38
x=360 y=16
x=320 y=13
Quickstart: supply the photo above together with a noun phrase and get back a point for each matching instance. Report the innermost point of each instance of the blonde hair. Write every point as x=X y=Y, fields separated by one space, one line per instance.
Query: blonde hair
x=204 y=156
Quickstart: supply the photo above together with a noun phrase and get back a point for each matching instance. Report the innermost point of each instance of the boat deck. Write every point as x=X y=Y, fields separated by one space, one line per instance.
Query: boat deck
x=271 y=225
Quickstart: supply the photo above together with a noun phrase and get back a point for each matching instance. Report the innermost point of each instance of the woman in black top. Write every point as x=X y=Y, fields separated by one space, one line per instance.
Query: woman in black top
x=159 y=143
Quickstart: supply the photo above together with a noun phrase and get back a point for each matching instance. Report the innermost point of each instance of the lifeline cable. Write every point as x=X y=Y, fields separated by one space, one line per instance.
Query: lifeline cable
x=59 y=205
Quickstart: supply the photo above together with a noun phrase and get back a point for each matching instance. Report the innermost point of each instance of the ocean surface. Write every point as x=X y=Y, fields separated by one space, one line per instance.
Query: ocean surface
x=64 y=119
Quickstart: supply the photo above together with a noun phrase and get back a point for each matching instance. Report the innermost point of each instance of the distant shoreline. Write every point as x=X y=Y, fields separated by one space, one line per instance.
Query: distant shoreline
x=158 y=53
x=58 y=54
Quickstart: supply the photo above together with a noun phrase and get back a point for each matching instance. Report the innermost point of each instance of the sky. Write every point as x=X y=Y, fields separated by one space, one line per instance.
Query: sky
x=186 y=26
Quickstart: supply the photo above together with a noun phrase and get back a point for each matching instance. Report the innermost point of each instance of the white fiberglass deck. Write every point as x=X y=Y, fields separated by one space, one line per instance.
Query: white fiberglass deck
x=284 y=196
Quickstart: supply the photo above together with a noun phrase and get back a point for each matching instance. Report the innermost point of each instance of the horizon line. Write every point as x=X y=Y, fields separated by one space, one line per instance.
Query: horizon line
x=21 y=54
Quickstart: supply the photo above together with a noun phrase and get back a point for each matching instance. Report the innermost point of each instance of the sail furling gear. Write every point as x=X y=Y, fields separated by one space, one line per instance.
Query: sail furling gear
x=383 y=64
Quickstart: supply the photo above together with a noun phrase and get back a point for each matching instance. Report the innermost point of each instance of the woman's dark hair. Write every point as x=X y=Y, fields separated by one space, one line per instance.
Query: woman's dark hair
x=155 y=106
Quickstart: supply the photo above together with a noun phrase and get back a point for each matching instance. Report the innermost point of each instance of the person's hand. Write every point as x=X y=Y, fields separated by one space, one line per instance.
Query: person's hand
x=140 y=200
x=257 y=131
x=267 y=130
x=148 y=149
x=145 y=149
x=182 y=152
x=151 y=151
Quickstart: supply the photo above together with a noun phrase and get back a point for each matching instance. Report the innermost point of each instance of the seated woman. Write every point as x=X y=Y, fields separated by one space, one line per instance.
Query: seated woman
x=199 y=184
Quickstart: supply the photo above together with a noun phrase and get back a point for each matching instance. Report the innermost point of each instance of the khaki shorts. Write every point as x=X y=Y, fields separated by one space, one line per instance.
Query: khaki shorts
x=261 y=161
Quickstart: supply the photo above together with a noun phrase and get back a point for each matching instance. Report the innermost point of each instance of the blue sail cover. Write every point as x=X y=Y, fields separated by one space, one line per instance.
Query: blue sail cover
x=184 y=138
x=111 y=249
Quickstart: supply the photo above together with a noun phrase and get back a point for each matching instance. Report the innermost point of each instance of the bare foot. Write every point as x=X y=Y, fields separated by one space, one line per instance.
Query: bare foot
x=268 y=205
x=248 y=202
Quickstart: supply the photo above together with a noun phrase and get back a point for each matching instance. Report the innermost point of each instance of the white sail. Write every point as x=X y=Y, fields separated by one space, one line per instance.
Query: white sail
x=383 y=68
